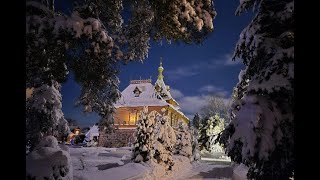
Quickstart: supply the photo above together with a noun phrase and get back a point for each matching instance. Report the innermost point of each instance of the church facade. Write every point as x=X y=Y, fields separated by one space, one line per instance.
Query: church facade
x=135 y=96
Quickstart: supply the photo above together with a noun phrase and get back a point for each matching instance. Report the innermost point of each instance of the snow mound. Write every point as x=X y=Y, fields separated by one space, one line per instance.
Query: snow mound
x=49 y=161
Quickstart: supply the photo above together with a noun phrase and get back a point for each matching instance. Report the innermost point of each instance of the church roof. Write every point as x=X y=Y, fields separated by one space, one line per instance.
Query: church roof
x=143 y=93
x=147 y=96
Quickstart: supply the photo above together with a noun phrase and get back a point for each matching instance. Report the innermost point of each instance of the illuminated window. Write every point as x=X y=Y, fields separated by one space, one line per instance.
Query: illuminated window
x=133 y=117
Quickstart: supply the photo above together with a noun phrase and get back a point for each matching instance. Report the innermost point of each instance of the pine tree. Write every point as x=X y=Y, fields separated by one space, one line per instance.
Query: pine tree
x=43 y=114
x=195 y=144
x=165 y=140
x=194 y=129
x=196 y=121
x=209 y=132
x=261 y=132
x=183 y=144
x=143 y=145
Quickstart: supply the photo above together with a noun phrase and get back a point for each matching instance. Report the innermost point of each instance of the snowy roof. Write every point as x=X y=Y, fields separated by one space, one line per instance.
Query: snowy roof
x=147 y=96
x=143 y=93
x=94 y=131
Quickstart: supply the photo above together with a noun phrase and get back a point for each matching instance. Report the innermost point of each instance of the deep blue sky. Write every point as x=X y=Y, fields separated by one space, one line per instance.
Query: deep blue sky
x=192 y=71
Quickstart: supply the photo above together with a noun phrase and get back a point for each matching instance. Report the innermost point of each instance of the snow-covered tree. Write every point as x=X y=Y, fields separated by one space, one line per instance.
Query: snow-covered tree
x=216 y=105
x=209 y=132
x=194 y=130
x=43 y=114
x=195 y=144
x=261 y=133
x=48 y=161
x=94 y=37
x=183 y=145
x=165 y=140
x=143 y=144
x=62 y=127
x=196 y=121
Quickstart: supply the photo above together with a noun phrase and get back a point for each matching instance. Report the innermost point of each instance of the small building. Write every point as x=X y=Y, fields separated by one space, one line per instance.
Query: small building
x=77 y=131
x=135 y=96
x=93 y=133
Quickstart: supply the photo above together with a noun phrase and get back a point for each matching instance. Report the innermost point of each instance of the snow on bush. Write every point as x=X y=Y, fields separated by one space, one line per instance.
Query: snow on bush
x=143 y=145
x=183 y=144
x=165 y=140
x=194 y=13
x=48 y=161
x=209 y=132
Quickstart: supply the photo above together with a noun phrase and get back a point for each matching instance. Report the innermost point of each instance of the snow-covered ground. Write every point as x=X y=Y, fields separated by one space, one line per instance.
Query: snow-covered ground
x=99 y=163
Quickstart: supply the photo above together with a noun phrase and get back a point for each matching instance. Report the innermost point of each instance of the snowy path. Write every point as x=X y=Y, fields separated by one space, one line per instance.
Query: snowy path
x=204 y=170
x=197 y=171
x=114 y=164
x=209 y=171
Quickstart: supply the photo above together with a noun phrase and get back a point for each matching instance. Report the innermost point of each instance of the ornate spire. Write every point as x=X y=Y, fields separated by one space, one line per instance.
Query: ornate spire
x=160 y=70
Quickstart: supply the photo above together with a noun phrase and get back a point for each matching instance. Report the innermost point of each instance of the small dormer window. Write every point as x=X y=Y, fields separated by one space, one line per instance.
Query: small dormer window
x=136 y=92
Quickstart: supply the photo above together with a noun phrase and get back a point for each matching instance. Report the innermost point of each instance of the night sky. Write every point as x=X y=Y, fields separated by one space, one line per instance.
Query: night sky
x=192 y=71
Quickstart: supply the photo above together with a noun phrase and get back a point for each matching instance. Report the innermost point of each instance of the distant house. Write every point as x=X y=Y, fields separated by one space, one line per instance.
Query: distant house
x=140 y=93
x=93 y=133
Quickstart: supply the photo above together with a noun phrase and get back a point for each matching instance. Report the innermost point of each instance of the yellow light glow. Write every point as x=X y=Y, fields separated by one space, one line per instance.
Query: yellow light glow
x=132 y=118
x=29 y=92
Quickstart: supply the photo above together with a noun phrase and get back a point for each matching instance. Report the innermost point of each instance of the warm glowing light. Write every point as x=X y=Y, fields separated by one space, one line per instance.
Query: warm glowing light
x=132 y=118
x=29 y=92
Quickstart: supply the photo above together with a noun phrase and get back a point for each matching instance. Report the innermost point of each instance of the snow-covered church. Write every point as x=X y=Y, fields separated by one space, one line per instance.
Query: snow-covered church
x=135 y=96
